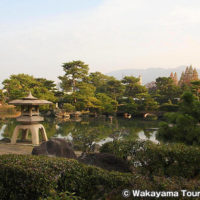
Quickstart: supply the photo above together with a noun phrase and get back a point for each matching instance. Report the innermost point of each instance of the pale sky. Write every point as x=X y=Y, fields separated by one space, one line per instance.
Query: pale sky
x=37 y=36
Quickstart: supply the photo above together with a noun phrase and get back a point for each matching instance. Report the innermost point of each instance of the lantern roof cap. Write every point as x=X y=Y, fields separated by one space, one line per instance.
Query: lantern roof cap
x=29 y=97
x=29 y=100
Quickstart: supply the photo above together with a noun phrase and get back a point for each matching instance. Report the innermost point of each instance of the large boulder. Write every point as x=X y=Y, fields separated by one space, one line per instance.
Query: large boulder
x=5 y=140
x=106 y=161
x=55 y=147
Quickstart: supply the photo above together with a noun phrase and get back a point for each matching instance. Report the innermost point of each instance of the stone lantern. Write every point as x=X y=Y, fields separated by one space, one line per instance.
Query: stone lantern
x=30 y=119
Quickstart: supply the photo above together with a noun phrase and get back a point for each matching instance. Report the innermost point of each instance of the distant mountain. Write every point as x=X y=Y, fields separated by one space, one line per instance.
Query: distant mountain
x=149 y=74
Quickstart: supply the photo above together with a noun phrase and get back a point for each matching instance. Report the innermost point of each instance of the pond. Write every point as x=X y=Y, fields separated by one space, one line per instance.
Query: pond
x=98 y=130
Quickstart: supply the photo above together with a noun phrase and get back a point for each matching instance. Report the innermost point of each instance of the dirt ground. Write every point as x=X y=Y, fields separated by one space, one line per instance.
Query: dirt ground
x=6 y=148
x=19 y=148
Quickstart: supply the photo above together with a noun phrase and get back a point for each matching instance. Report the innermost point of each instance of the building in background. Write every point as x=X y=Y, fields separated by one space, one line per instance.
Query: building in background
x=189 y=75
x=140 y=80
x=174 y=77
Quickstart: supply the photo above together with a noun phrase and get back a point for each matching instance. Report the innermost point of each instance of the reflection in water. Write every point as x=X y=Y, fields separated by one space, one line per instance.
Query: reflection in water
x=151 y=136
x=91 y=130
x=103 y=141
x=2 y=131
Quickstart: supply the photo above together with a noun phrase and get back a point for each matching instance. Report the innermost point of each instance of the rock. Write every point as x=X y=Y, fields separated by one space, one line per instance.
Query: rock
x=105 y=161
x=5 y=140
x=55 y=147
x=95 y=148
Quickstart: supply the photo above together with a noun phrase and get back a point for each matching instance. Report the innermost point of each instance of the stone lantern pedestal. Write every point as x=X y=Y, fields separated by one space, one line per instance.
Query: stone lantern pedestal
x=29 y=119
x=34 y=129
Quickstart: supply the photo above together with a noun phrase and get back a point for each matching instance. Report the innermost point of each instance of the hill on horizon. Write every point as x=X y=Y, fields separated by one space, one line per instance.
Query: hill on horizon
x=149 y=74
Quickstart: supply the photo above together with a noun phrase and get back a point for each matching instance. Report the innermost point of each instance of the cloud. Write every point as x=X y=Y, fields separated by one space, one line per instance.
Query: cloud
x=117 y=34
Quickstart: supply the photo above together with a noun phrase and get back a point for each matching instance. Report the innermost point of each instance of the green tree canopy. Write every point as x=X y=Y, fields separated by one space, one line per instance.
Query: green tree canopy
x=108 y=105
x=1 y=96
x=75 y=71
x=166 y=90
x=182 y=126
x=132 y=86
x=114 y=89
x=85 y=97
x=99 y=80
x=18 y=86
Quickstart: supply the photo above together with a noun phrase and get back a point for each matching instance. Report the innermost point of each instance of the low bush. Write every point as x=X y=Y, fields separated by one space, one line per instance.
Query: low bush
x=33 y=177
x=170 y=160
x=123 y=148
x=155 y=159
x=37 y=177
x=61 y=196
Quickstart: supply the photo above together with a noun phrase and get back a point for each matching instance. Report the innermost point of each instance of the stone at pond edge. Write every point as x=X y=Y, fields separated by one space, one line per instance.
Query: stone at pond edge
x=5 y=140
x=105 y=161
x=55 y=147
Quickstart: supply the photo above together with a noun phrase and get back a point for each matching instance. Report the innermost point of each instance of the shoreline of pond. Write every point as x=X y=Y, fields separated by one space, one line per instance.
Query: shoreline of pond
x=20 y=149
x=102 y=129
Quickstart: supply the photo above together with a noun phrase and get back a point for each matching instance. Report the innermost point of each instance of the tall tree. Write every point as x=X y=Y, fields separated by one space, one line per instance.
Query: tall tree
x=132 y=86
x=75 y=71
x=1 y=96
x=49 y=84
x=195 y=87
x=18 y=86
x=166 y=90
x=182 y=126
x=108 y=105
x=99 y=80
x=85 y=98
x=114 y=89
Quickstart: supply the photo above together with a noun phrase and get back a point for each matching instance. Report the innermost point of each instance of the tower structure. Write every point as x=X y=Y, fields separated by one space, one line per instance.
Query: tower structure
x=195 y=75
x=140 y=80
x=174 y=77
x=189 y=75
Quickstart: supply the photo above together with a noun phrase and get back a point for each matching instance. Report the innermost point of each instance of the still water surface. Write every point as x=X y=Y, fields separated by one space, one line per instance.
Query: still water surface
x=100 y=130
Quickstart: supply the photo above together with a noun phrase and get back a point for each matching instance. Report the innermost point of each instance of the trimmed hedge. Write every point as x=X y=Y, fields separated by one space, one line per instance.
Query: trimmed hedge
x=37 y=177
x=154 y=159
x=30 y=177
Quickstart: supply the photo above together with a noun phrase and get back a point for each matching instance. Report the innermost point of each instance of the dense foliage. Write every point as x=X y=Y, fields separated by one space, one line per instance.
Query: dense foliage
x=98 y=93
x=101 y=94
x=160 y=160
x=29 y=177
x=18 y=86
x=183 y=126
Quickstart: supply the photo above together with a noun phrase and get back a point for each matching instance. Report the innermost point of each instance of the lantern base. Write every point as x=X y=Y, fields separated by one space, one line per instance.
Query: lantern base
x=34 y=130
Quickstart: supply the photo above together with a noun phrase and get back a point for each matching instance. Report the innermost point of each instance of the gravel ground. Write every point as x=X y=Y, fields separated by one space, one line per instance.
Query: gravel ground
x=6 y=148
x=15 y=149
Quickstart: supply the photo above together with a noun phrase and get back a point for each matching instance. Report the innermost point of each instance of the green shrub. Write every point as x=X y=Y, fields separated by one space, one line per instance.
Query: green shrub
x=37 y=177
x=155 y=159
x=61 y=196
x=123 y=148
x=30 y=177
x=170 y=160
